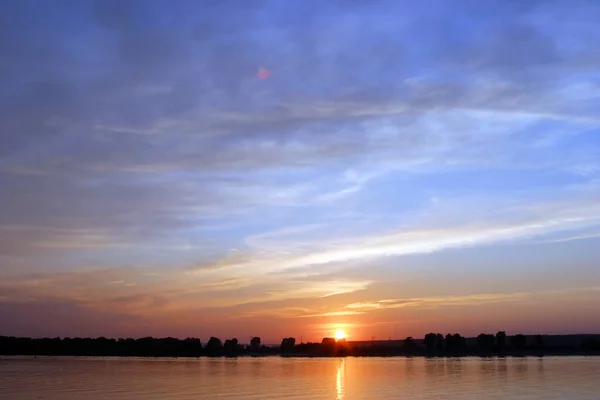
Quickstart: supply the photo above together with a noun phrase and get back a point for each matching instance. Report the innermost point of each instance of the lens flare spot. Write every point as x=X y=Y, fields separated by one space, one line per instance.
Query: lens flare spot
x=263 y=73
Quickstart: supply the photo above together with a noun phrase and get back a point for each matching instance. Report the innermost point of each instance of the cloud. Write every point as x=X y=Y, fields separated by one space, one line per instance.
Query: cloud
x=579 y=237
x=137 y=292
x=52 y=319
x=438 y=231
x=470 y=299
x=136 y=133
x=317 y=289
x=225 y=284
x=437 y=301
x=333 y=314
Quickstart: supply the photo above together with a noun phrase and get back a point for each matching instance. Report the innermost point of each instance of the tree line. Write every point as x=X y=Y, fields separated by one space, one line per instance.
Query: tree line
x=433 y=344
x=485 y=343
x=142 y=347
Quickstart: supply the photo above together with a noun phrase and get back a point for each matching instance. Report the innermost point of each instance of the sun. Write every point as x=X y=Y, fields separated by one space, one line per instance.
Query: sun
x=340 y=334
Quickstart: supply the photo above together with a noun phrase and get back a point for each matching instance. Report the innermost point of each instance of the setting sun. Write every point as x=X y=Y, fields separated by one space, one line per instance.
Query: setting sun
x=339 y=334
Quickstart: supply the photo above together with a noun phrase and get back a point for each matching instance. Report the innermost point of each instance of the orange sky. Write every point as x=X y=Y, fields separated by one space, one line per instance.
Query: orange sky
x=134 y=302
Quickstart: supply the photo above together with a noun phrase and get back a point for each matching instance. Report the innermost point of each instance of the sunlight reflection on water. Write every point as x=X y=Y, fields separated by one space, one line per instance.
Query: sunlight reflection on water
x=270 y=378
x=339 y=383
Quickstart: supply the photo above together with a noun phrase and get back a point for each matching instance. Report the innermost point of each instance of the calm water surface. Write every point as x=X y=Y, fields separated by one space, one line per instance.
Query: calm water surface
x=300 y=379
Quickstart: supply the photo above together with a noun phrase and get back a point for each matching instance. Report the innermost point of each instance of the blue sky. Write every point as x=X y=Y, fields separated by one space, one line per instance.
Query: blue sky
x=441 y=157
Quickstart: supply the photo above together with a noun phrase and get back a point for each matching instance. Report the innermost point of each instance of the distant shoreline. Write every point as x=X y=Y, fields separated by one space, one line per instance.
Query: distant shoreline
x=433 y=346
x=441 y=356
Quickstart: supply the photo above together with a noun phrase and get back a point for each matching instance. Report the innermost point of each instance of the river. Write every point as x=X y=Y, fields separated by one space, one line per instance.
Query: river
x=269 y=378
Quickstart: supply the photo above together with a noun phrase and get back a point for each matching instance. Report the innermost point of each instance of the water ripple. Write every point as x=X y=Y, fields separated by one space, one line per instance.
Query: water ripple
x=271 y=378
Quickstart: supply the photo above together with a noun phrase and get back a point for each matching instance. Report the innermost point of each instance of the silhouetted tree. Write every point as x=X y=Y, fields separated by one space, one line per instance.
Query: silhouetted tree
x=460 y=342
x=288 y=345
x=213 y=343
x=214 y=346
x=192 y=347
x=501 y=341
x=454 y=343
x=590 y=344
x=485 y=342
x=439 y=346
x=231 y=346
x=539 y=342
x=172 y=347
x=255 y=343
x=341 y=348
x=328 y=346
x=409 y=345
x=430 y=341
x=519 y=342
x=448 y=342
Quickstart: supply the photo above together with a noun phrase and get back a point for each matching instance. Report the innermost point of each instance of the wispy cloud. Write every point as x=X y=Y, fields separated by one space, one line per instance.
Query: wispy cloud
x=333 y=314
x=437 y=301
x=520 y=221
x=573 y=238
x=462 y=300
x=322 y=289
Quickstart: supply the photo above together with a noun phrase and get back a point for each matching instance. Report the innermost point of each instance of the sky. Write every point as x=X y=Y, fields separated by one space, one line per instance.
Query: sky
x=402 y=167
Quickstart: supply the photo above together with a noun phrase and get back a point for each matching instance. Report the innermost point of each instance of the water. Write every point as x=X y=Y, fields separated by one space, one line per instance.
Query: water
x=300 y=379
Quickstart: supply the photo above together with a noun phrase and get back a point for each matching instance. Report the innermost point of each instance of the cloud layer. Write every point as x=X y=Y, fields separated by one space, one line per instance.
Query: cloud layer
x=145 y=168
